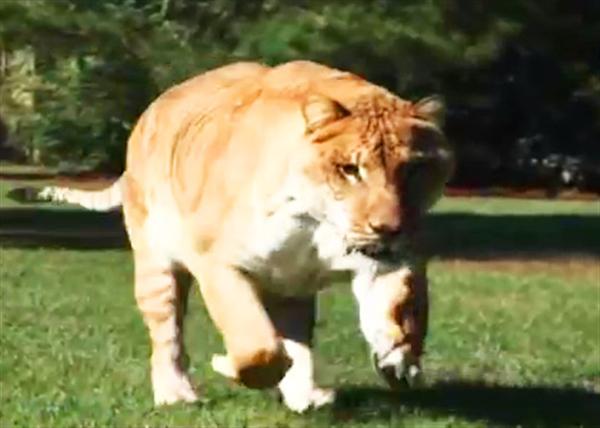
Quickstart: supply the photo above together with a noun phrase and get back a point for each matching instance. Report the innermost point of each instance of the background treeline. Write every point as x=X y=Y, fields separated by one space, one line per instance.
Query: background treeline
x=521 y=77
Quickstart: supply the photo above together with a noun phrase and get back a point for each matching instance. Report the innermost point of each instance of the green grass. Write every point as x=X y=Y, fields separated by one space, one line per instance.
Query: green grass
x=512 y=341
x=509 y=206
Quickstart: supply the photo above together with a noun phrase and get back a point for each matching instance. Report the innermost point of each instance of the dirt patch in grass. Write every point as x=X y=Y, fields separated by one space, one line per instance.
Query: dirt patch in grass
x=94 y=180
x=83 y=183
x=504 y=192
x=19 y=174
x=564 y=267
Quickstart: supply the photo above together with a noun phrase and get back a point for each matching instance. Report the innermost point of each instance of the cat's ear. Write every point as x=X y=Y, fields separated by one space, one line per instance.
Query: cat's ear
x=319 y=111
x=432 y=109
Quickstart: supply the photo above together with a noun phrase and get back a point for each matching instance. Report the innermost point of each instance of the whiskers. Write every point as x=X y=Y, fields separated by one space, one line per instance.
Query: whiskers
x=368 y=244
x=374 y=245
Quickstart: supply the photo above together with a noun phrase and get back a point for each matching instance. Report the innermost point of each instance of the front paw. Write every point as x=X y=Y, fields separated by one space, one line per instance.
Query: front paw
x=223 y=365
x=300 y=400
x=171 y=386
x=399 y=369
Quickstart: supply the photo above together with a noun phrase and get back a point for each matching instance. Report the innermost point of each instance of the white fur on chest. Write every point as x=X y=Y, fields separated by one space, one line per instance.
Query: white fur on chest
x=284 y=256
x=291 y=252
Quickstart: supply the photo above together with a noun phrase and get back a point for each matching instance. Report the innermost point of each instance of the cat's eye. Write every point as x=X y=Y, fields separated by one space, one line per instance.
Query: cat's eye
x=350 y=171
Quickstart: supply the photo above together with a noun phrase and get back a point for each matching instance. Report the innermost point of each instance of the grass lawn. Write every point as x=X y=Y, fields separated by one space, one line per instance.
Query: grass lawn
x=514 y=339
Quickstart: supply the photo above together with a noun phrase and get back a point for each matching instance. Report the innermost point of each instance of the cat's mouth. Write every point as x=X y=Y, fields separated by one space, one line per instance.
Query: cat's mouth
x=380 y=249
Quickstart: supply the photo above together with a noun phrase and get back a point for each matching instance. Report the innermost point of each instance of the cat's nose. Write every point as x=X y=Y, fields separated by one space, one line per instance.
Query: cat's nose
x=386 y=226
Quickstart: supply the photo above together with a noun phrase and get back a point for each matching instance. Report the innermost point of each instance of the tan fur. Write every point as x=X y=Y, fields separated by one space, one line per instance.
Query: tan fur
x=221 y=165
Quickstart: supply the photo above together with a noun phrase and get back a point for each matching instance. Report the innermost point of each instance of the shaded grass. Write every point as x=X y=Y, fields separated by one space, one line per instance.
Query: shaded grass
x=451 y=231
x=484 y=228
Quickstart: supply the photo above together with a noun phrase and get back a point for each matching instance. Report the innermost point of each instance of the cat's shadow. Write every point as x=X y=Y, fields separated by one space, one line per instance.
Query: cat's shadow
x=530 y=406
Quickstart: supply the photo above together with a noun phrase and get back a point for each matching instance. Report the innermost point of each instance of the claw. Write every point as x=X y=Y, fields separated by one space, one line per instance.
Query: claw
x=398 y=371
x=414 y=377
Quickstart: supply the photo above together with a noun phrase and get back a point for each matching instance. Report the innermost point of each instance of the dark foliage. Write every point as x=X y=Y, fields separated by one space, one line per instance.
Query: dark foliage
x=521 y=78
